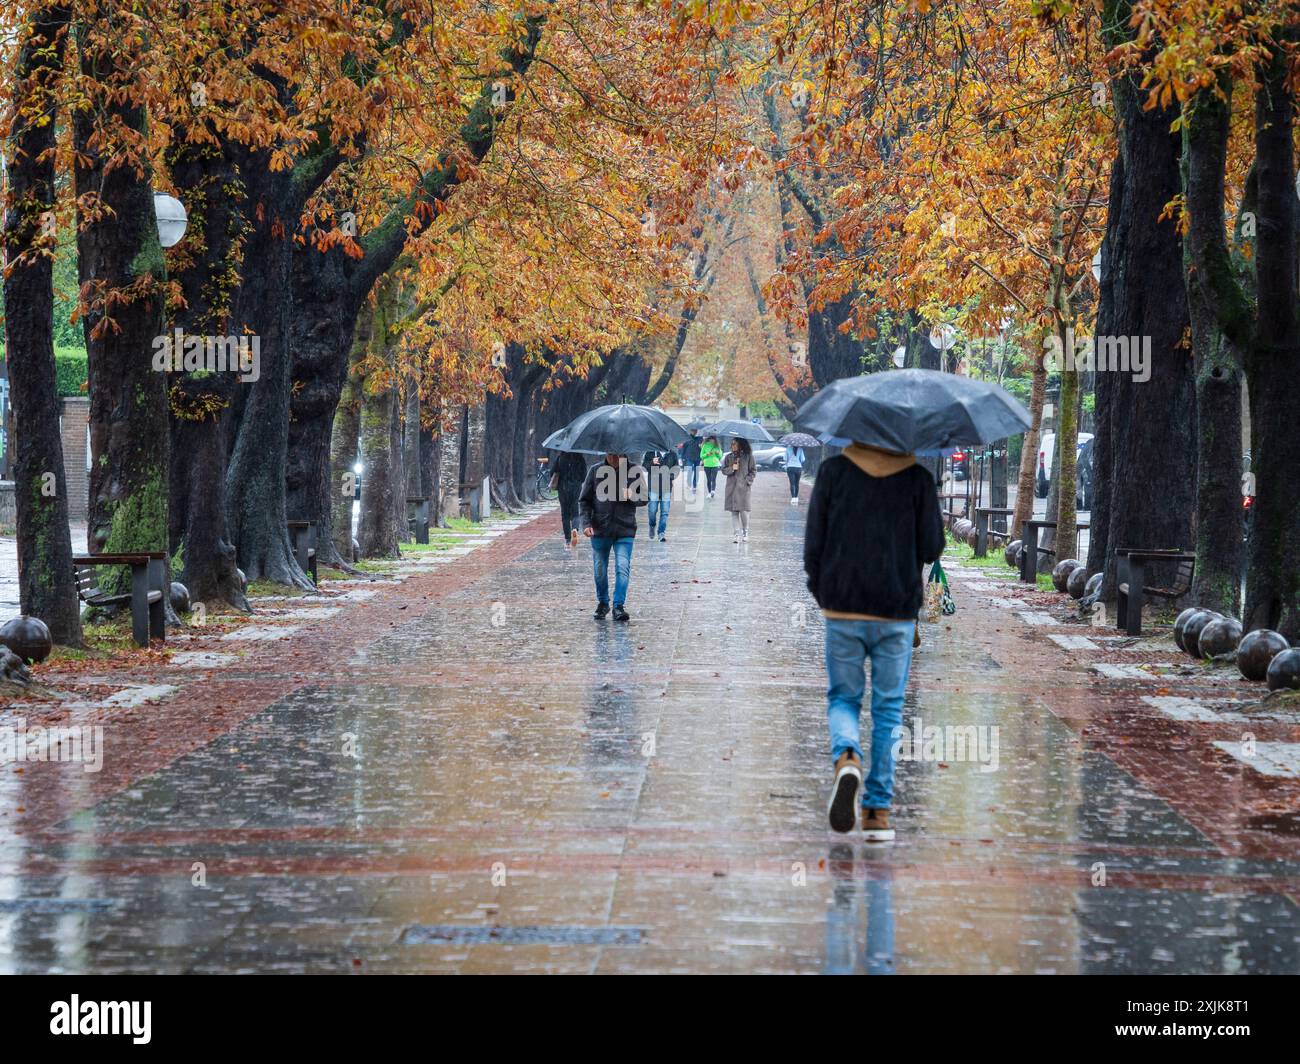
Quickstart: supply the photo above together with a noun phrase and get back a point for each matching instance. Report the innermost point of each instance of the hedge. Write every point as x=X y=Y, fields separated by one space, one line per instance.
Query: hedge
x=69 y=370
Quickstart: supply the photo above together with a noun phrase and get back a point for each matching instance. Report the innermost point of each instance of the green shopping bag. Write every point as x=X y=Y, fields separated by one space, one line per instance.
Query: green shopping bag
x=938 y=595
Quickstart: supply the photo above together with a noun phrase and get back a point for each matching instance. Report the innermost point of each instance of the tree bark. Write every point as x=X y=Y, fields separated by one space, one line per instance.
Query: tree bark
x=1152 y=420
x=47 y=586
x=121 y=269
x=1273 y=362
x=345 y=446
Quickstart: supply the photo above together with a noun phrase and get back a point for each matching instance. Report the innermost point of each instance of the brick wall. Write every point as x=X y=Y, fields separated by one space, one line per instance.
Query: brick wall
x=72 y=423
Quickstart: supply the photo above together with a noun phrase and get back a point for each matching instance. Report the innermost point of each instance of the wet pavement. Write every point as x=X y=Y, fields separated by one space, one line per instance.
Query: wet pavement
x=464 y=772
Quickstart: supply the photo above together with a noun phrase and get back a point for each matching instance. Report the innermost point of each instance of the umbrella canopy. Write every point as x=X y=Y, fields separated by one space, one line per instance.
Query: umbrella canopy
x=745 y=430
x=697 y=423
x=799 y=439
x=622 y=429
x=912 y=411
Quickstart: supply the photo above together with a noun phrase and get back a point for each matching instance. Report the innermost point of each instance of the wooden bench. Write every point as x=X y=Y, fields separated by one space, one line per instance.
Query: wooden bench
x=473 y=500
x=147 y=595
x=1029 y=540
x=302 y=539
x=419 y=522
x=1133 y=586
x=982 y=532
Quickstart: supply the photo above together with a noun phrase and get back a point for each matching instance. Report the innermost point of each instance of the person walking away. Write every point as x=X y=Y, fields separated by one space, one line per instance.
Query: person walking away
x=691 y=460
x=873 y=522
x=740 y=471
x=794 y=470
x=607 y=503
x=711 y=459
x=568 y=471
x=661 y=471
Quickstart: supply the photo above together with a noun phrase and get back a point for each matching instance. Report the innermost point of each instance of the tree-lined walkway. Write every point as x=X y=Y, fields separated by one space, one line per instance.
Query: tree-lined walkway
x=465 y=772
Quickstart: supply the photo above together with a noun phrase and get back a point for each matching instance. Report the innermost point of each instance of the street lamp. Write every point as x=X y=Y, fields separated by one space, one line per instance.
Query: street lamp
x=172 y=219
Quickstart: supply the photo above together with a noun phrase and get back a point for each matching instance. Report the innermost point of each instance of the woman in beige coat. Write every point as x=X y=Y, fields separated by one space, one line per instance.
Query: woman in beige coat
x=740 y=470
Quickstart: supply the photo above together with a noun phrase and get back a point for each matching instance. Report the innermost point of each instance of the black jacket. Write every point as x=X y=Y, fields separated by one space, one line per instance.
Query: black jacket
x=570 y=471
x=867 y=538
x=691 y=451
x=661 y=475
x=609 y=499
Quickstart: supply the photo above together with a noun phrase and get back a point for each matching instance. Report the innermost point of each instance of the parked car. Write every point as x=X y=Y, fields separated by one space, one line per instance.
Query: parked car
x=769 y=456
x=1043 y=476
x=961 y=465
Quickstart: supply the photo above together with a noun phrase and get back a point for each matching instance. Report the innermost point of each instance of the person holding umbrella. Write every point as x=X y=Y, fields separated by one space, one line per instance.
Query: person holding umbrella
x=610 y=496
x=795 y=442
x=740 y=470
x=872 y=523
x=711 y=459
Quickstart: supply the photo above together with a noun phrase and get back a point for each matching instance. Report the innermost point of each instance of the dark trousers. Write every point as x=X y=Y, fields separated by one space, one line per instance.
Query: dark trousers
x=569 y=510
x=711 y=477
x=794 y=475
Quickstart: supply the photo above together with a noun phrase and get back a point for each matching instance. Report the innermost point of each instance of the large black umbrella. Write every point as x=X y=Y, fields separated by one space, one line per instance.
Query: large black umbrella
x=745 y=430
x=912 y=411
x=622 y=429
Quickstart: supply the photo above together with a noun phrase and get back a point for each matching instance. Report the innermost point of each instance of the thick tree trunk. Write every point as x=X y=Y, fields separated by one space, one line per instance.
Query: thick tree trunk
x=1067 y=442
x=46 y=586
x=475 y=456
x=1211 y=290
x=345 y=447
x=257 y=510
x=449 y=468
x=1152 y=420
x=200 y=403
x=1273 y=572
x=1029 y=447
x=117 y=251
x=378 y=534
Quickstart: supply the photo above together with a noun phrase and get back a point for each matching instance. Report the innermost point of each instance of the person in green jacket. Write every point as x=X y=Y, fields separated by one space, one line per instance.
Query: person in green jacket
x=711 y=459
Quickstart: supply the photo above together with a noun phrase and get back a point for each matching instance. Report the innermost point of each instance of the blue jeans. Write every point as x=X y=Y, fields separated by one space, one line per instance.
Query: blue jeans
x=659 y=505
x=889 y=645
x=693 y=472
x=600 y=548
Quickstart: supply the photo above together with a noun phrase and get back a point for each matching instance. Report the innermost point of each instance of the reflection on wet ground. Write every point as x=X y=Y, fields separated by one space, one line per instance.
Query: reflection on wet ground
x=501 y=783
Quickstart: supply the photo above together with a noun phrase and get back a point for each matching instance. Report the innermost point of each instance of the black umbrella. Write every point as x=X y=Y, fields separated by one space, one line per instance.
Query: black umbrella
x=622 y=429
x=912 y=411
x=745 y=430
x=799 y=439
x=697 y=423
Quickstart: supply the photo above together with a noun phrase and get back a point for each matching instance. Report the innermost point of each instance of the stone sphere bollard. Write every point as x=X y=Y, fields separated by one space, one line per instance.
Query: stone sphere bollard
x=1011 y=553
x=1284 y=671
x=1256 y=651
x=1077 y=584
x=1061 y=573
x=28 y=637
x=179 y=595
x=1181 y=623
x=243 y=580
x=959 y=529
x=1220 y=636
x=1093 y=585
x=1193 y=628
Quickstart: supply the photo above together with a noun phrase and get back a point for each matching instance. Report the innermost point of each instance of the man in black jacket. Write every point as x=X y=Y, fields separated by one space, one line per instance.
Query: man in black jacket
x=872 y=523
x=691 y=460
x=610 y=495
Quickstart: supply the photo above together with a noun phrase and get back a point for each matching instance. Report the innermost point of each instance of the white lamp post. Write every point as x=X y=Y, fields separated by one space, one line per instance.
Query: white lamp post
x=172 y=219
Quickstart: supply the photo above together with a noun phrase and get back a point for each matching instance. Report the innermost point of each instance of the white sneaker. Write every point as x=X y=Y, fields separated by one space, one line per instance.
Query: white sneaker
x=736 y=540
x=794 y=500
x=745 y=535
